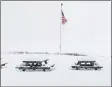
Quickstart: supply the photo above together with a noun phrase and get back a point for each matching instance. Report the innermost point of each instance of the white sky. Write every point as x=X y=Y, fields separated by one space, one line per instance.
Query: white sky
x=35 y=26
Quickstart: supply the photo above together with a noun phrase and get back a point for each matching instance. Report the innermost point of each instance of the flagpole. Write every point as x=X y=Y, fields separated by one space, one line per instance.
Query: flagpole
x=60 y=26
x=62 y=21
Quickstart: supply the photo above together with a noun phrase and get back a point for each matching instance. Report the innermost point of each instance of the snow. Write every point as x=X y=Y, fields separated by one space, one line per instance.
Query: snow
x=86 y=58
x=23 y=29
x=62 y=75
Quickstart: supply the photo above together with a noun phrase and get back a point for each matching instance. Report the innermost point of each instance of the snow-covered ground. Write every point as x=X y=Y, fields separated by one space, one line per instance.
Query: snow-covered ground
x=62 y=75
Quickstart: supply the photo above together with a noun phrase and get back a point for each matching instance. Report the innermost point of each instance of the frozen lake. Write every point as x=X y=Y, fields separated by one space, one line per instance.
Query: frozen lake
x=62 y=75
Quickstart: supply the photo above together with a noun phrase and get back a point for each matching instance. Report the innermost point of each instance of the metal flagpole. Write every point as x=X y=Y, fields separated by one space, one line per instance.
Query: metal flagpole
x=60 y=27
x=62 y=21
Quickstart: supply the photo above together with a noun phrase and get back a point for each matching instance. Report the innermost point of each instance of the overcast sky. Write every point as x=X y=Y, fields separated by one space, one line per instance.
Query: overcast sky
x=35 y=26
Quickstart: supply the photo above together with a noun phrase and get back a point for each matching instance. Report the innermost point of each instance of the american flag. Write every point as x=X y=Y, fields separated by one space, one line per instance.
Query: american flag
x=64 y=20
